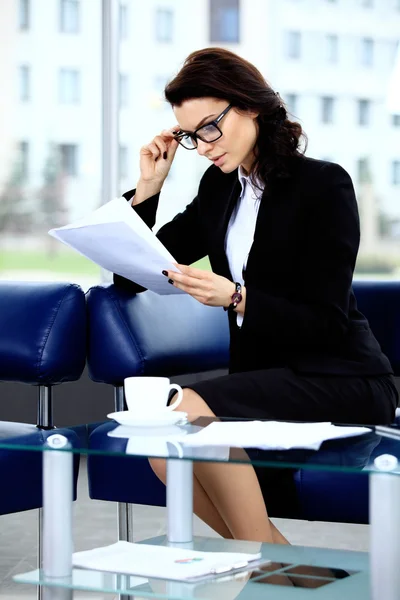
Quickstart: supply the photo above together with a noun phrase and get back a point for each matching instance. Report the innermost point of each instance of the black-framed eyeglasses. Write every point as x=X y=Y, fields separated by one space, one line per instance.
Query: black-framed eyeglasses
x=206 y=133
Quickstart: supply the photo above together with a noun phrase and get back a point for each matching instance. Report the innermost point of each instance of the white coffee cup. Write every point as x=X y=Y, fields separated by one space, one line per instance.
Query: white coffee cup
x=149 y=395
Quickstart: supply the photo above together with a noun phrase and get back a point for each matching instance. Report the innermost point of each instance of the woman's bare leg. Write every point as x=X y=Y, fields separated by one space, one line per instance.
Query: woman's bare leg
x=232 y=489
x=202 y=505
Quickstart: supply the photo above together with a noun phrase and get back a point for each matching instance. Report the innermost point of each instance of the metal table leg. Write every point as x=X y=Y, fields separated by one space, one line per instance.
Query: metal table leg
x=384 y=507
x=57 y=507
x=179 y=500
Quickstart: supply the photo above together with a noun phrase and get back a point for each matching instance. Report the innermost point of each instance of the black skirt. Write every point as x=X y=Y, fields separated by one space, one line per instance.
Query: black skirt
x=282 y=394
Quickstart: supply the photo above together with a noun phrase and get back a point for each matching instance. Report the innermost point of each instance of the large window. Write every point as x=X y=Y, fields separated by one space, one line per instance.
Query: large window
x=292 y=101
x=69 y=16
x=24 y=83
x=332 y=46
x=69 y=86
x=367 y=52
x=396 y=172
x=123 y=168
x=69 y=159
x=24 y=14
x=123 y=90
x=293 y=44
x=327 y=109
x=24 y=160
x=332 y=62
x=164 y=24
x=123 y=21
x=364 y=112
x=363 y=170
x=224 y=21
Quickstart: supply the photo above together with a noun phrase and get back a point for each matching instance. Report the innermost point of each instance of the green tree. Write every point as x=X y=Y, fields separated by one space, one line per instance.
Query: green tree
x=51 y=208
x=15 y=214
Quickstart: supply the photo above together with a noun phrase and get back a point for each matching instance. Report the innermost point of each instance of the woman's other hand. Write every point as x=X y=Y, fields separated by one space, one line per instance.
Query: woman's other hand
x=205 y=286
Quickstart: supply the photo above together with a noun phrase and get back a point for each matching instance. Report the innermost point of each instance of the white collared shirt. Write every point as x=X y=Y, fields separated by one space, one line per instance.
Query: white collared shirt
x=240 y=232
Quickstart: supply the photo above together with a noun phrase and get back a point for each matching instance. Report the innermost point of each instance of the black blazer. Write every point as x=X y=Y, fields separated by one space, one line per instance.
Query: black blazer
x=300 y=308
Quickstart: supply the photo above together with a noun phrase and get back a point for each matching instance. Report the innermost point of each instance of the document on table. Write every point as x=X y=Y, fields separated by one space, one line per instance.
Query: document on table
x=117 y=239
x=270 y=435
x=164 y=562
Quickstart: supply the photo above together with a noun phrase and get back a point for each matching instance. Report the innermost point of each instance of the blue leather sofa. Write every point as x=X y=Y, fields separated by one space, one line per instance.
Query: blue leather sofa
x=42 y=343
x=146 y=334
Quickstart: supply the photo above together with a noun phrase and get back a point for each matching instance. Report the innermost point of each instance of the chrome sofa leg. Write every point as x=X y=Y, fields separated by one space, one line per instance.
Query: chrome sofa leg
x=119 y=398
x=125 y=522
x=125 y=533
x=45 y=408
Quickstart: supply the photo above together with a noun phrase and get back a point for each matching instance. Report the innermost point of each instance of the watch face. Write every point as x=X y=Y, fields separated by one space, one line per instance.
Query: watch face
x=236 y=297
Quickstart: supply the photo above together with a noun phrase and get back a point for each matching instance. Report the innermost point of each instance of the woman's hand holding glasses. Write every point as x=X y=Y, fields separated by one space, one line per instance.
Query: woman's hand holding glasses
x=155 y=162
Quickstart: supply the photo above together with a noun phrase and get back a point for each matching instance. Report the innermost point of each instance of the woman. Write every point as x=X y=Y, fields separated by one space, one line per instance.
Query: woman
x=282 y=235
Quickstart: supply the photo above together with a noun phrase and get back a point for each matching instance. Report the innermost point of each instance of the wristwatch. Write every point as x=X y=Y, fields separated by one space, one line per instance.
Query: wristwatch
x=236 y=297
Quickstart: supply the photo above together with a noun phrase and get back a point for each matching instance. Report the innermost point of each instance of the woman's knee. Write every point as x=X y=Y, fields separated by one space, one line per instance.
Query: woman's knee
x=159 y=467
x=193 y=403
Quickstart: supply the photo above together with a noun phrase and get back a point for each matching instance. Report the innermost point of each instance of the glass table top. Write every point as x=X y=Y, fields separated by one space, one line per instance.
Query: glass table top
x=313 y=572
x=365 y=452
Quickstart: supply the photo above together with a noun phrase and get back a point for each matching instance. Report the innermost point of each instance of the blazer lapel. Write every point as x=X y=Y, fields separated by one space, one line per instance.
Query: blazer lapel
x=273 y=201
x=229 y=198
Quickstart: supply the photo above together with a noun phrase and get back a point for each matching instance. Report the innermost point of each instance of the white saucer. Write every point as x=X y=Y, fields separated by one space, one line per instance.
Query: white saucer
x=127 y=417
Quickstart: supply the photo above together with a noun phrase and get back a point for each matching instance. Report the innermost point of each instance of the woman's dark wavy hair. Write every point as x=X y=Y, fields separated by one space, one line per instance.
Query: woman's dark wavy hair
x=219 y=73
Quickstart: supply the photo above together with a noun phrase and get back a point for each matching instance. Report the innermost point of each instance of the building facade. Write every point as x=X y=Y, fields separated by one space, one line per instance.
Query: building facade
x=330 y=60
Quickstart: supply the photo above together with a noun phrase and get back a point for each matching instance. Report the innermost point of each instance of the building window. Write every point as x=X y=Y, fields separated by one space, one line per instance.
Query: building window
x=332 y=48
x=164 y=25
x=291 y=103
x=69 y=86
x=363 y=170
x=69 y=16
x=24 y=160
x=293 y=44
x=24 y=83
x=69 y=159
x=367 y=52
x=396 y=120
x=123 y=21
x=123 y=162
x=396 y=172
x=327 y=109
x=24 y=14
x=224 y=21
x=364 y=112
x=123 y=90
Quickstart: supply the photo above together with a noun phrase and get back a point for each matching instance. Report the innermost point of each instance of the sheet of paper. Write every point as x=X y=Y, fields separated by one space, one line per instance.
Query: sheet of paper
x=160 y=561
x=115 y=238
x=270 y=435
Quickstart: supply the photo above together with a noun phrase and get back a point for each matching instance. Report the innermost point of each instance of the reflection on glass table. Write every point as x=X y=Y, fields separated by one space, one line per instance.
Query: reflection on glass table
x=348 y=455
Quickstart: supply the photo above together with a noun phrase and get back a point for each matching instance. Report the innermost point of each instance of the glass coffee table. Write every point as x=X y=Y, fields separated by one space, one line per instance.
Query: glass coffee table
x=293 y=571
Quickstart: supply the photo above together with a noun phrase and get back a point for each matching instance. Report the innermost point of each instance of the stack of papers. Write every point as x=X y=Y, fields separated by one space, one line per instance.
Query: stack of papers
x=270 y=435
x=117 y=239
x=163 y=562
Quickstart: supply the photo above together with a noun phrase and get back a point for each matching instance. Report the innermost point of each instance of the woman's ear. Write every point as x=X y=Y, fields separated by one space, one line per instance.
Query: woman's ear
x=253 y=115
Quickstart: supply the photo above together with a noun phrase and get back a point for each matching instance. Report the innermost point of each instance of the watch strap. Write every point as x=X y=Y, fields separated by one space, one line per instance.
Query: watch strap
x=235 y=298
